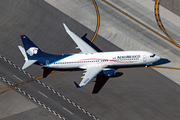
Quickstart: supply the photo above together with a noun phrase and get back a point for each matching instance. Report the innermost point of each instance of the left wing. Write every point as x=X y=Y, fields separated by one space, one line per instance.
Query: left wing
x=90 y=73
x=82 y=45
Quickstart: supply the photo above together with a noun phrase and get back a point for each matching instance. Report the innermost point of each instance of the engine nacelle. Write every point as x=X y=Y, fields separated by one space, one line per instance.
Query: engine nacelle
x=109 y=72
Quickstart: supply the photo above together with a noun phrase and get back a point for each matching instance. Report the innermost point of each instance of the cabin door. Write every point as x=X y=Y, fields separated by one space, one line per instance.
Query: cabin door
x=144 y=58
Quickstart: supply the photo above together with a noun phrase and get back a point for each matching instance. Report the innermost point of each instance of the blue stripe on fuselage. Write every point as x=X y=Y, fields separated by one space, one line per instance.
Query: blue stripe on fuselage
x=51 y=59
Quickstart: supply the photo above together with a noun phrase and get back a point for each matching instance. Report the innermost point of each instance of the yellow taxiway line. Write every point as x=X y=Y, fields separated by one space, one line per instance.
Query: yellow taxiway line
x=158 y=19
x=98 y=20
x=165 y=67
x=159 y=23
x=136 y=20
x=96 y=31
x=97 y=28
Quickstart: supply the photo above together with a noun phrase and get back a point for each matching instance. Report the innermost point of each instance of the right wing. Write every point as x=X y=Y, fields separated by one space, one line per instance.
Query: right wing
x=90 y=73
x=82 y=45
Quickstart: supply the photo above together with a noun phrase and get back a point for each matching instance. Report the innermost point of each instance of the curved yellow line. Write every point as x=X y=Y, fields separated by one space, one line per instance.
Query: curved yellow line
x=5 y=90
x=136 y=20
x=158 y=19
x=98 y=20
x=97 y=28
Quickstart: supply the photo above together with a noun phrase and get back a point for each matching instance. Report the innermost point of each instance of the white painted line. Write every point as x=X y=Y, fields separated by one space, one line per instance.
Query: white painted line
x=18 y=78
x=67 y=110
x=42 y=94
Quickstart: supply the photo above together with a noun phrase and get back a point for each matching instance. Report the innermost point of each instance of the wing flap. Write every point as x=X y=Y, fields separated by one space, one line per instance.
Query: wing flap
x=90 y=73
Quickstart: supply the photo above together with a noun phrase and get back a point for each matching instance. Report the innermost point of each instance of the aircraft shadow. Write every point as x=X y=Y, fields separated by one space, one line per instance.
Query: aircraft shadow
x=161 y=62
x=101 y=81
x=90 y=43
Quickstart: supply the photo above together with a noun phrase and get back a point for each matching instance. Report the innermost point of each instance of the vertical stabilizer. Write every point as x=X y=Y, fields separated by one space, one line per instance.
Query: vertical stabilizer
x=31 y=49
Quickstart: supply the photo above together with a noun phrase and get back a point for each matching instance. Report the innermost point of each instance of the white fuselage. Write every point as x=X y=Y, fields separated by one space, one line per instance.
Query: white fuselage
x=110 y=59
x=92 y=61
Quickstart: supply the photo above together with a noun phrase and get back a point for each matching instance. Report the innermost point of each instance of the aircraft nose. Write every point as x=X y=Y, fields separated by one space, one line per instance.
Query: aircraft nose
x=157 y=58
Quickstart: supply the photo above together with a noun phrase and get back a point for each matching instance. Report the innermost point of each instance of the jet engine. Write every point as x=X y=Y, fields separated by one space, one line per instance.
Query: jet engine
x=109 y=72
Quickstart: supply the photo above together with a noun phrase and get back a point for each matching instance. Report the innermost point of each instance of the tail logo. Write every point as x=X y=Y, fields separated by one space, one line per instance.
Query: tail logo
x=31 y=51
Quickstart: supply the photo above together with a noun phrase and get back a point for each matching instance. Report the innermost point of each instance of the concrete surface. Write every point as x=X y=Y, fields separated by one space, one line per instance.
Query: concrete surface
x=127 y=34
x=138 y=93
x=13 y=103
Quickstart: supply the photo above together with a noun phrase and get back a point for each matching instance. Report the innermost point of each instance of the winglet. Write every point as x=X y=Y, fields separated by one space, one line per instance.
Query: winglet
x=77 y=85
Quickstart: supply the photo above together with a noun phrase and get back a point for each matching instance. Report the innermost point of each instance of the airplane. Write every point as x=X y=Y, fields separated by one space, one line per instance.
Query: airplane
x=89 y=60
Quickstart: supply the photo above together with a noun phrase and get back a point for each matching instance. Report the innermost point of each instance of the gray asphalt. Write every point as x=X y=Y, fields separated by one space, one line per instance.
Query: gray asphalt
x=53 y=101
x=137 y=93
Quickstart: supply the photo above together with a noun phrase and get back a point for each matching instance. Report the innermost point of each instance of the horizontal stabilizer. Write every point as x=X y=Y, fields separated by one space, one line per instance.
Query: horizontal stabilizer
x=23 y=52
x=28 y=63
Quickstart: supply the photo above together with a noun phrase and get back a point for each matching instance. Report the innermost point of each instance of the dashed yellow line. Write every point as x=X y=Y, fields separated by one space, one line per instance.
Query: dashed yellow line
x=158 y=19
x=98 y=20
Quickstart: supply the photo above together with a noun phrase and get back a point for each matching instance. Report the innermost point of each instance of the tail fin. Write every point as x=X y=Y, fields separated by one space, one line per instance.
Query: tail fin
x=30 y=51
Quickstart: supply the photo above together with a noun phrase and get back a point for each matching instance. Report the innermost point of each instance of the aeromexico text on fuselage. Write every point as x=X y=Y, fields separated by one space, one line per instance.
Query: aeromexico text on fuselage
x=128 y=57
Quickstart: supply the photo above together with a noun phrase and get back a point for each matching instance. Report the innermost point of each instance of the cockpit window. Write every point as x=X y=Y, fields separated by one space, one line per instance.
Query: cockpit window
x=153 y=55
